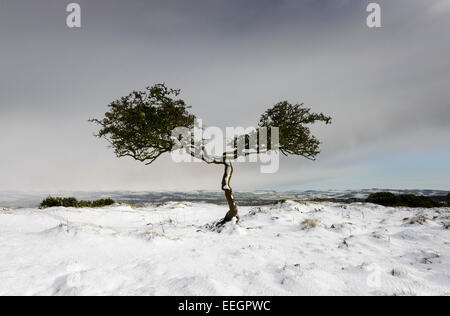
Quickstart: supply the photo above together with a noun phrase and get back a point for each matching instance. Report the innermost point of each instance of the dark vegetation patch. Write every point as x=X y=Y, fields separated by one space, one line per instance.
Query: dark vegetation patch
x=406 y=200
x=73 y=202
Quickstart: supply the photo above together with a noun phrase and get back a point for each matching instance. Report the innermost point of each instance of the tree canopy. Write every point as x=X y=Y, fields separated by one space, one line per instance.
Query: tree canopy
x=140 y=124
x=295 y=136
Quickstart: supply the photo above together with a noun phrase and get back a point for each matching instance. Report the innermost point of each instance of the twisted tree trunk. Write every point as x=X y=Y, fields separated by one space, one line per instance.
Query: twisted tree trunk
x=228 y=172
x=233 y=212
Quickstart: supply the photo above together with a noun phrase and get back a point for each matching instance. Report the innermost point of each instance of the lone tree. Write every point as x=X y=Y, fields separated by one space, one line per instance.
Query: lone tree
x=141 y=126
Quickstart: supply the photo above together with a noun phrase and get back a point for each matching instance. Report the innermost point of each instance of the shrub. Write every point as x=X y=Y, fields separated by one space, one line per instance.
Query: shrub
x=383 y=198
x=73 y=202
x=102 y=202
x=411 y=200
x=309 y=223
x=84 y=204
x=408 y=200
x=69 y=202
x=51 y=202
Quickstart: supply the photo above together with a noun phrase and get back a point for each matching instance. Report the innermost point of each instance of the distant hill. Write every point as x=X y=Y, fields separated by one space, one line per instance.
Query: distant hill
x=32 y=199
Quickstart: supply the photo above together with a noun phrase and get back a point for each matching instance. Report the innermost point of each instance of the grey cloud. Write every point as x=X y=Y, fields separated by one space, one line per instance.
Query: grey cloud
x=387 y=89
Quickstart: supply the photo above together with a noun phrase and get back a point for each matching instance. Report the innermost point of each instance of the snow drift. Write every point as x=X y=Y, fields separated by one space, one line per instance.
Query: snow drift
x=288 y=248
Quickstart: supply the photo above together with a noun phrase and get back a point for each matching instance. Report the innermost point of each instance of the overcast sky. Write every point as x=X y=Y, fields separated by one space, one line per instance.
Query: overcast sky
x=388 y=89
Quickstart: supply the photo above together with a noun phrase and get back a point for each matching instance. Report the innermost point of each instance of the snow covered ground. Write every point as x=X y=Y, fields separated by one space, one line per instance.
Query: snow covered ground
x=285 y=249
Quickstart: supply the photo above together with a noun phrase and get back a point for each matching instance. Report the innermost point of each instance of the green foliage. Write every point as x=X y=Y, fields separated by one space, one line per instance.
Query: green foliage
x=73 y=202
x=448 y=199
x=69 y=202
x=408 y=200
x=102 y=202
x=418 y=201
x=140 y=125
x=86 y=204
x=51 y=202
x=295 y=135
